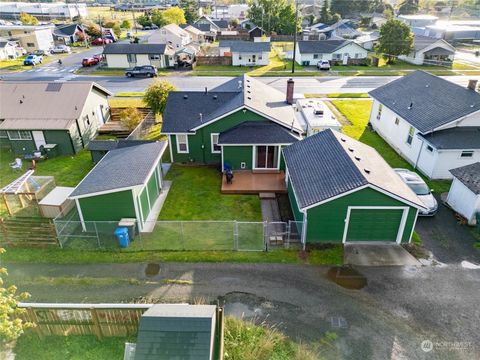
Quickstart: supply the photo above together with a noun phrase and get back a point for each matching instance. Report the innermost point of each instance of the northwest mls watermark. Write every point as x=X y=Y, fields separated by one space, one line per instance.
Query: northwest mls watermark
x=428 y=345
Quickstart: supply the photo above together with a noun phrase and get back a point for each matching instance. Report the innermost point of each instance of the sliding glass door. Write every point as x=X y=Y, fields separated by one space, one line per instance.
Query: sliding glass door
x=266 y=157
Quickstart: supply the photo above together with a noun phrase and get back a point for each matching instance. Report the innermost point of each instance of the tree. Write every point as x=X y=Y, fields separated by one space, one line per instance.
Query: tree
x=395 y=39
x=274 y=16
x=157 y=18
x=131 y=117
x=408 y=7
x=28 y=19
x=174 y=15
x=117 y=30
x=126 y=24
x=93 y=30
x=110 y=24
x=156 y=95
x=190 y=8
x=11 y=324
x=325 y=16
x=234 y=23
x=342 y=7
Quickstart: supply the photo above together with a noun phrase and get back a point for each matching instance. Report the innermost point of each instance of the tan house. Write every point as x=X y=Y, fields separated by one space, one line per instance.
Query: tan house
x=172 y=35
x=198 y=36
x=30 y=37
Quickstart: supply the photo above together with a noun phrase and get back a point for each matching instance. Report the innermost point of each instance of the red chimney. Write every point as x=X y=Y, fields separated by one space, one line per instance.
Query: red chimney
x=290 y=86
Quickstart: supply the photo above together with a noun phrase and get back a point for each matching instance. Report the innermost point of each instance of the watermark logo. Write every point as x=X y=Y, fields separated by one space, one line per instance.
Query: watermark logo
x=426 y=345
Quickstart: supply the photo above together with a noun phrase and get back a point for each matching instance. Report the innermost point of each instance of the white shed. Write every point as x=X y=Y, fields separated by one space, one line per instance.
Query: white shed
x=464 y=194
x=56 y=202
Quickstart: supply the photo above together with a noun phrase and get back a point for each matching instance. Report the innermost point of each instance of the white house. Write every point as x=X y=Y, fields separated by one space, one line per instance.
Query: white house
x=464 y=194
x=197 y=35
x=30 y=37
x=43 y=11
x=246 y=53
x=311 y=52
x=129 y=55
x=431 y=122
x=8 y=50
x=429 y=51
x=171 y=34
x=368 y=40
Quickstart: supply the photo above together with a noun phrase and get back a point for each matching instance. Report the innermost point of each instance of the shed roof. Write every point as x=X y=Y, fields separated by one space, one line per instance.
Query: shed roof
x=245 y=46
x=465 y=137
x=57 y=196
x=469 y=175
x=330 y=164
x=107 y=145
x=121 y=169
x=427 y=101
x=116 y=48
x=257 y=132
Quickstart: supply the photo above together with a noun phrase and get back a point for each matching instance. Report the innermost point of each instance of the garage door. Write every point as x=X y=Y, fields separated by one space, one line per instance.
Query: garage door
x=374 y=224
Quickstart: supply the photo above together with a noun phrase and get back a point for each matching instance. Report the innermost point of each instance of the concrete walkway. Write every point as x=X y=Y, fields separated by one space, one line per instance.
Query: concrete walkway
x=378 y=255
x=157 y=207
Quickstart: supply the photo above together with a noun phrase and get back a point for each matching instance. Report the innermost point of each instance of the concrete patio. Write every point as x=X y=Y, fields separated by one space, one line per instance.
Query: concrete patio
x=378 y=255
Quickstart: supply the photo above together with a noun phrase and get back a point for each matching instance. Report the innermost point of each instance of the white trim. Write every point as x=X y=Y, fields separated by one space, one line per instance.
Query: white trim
x=221 y=152
x=145 y=188
x=334 y=197
x=254 y=151
x=80 y=214
x=217 y=118
x=413 y=227
x=186 y=142
x=259 y=144
x=18 y=131
x=401 y=227
x=170 y=147
x=212 y=144
x=304 y=230
x=137 y=213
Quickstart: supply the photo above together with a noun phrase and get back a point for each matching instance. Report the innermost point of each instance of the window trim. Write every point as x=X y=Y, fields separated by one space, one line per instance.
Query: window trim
x=429 y=148
x=397 y=121
x=410 y=136
x=178 y=143
x=212 y=144
x=29 y=137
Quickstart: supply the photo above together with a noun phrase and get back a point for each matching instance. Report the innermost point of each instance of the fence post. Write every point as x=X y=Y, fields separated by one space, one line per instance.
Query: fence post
x=96 y=324
x=289 y=227
x=96 y=233
x=235 y=235
x=33 y=318
x=265 y=235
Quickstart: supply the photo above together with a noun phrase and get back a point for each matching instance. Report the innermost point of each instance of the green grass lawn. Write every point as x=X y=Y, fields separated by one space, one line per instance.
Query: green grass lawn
x=358 y=113
x=195 y=195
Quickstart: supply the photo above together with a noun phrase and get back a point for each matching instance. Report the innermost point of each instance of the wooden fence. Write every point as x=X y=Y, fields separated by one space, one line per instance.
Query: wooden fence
x=27 y=232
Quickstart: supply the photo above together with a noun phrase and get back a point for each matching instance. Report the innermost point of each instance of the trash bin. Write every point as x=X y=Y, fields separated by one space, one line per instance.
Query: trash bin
x=129 y=223
x=122 y=235
x=51 y=150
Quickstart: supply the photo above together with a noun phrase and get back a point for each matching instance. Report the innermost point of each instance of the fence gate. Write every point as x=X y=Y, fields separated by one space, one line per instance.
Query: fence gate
x=276 y=233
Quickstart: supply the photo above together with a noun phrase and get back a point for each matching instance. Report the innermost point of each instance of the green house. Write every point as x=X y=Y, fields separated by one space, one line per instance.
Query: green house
x=62 y=117
x=244 y=129
x=343 y=191
x=125 y=183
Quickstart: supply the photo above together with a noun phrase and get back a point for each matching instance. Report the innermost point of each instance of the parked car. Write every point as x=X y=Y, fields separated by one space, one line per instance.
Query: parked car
x=32 y=60
x=40 y=53
x=90 y=61
x=146 y=70
x=323 y=65
x=419 y=187
x=99 y=57
x=101 y=41
x=61 y=49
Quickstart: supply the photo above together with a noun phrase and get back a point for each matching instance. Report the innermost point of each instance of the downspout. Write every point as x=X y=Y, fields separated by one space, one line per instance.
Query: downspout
x=304 y=230
x=418 y=155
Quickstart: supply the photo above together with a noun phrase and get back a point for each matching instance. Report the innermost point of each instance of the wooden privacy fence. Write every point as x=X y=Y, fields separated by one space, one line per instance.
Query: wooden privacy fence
x=101 y=320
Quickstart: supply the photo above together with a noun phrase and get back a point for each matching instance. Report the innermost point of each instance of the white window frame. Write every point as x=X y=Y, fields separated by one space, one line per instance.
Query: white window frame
x=410 y=136
x=212 y=144
x=379 y=112
x=19 y=136
x=254 y=159
x=178 y=143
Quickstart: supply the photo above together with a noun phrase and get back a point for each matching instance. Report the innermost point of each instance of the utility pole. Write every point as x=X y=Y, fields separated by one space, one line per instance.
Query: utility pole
x=101 y=31
x=295 y=37
x=134 y=22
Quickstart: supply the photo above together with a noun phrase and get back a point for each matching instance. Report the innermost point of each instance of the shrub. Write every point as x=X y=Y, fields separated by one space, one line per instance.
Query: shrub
x=131 y=117
x=156 y=95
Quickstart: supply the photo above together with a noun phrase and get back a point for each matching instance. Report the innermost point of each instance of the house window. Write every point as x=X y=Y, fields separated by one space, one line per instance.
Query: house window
x=337 y=56
x=315 y=56
x=3 y=134
x=466 y=154
x=19 y=135
x=411 y=132
x=132 y=58
x=182 y=144
x=397 y=121
x=30 y=45
x=155 y=57
x=260 y=57
x=357 y=55
x=429 y=148
x=214 y=141
x=379 y=114
x=239 y=56
x=86 y=121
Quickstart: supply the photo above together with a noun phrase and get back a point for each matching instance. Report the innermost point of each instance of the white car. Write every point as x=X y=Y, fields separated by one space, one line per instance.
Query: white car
x=61 y=49
x=420 y=188
x=323 y=65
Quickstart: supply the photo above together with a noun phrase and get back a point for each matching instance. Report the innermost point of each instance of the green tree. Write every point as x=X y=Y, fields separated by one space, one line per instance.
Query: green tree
x=131 y=117
x=408 y=7
x=395 y=39
x=110 y=24
x=126 y=24
x=117 y=30
x=190 y=8
x=174 y=15
x=27 y=19
x=144 y=20
x=157 y=18
x=156 y=95
x=325 y=16
x=274 y=15
x=93 y=30
x=234 y=23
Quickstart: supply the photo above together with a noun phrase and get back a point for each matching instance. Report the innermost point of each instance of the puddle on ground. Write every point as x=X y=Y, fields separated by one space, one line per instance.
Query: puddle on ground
x=347 y=277
x=152 y=269
x=240 y=310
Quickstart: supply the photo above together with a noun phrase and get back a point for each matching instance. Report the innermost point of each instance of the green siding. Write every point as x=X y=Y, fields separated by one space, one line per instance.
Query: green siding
x=384 y=227
x=62 y=139
x=144 y=204
x=235 y=155
x=297 y=214
x=20 y=147
x=108 y=207
x=152 y=188
x=326 y=222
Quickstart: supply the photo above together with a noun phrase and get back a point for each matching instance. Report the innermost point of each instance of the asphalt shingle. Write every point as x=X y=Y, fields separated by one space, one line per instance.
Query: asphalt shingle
x=469 y=175
x=322 y=46
x=465 y=137
x=134 y=49
x=245 y=46
x=255 y=132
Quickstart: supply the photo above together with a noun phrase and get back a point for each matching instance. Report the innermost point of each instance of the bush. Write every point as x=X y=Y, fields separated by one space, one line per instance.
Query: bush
x=126 y=24
x=156 y=95
x=131 y=117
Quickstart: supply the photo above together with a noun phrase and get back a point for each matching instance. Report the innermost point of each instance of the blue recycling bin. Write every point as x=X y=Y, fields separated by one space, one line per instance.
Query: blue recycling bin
x=122 y=235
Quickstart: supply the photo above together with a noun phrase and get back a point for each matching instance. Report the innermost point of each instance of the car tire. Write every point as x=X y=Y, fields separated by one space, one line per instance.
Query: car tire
x=150 y=75
x=129 y=74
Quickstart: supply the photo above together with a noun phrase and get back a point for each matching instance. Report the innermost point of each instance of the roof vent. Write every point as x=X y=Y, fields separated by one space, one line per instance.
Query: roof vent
x=350 y=149
x=21 y=101
x=185 y=96
x=410 y=106
x=249 y=98
x=367 y=170
x=343 y=139
x=201 y=117
x=428 y=85
x=215 y=97
x=358 y=158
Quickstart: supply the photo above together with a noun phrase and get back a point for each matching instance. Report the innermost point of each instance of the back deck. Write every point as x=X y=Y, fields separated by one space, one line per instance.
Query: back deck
x=248 y=182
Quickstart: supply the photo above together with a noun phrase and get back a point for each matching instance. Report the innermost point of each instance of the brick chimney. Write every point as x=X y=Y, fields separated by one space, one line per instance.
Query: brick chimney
x=472 y=84
x=290 y=87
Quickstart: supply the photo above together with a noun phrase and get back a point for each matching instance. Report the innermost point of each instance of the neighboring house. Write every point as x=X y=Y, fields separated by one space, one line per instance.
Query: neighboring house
x=316 y=116
x=214 y=25
x=244 y=129
x=8 y=50
x=197 y=35
x=311 y=52
x=43 y=11
x=222 y=25
x=430 y=51
x=129 y=55
x=125 y=183
x=464 y=193
x=342 y=29
x=343 y=191
x=431 y=122
x=68 y=33
x=247 y=24
x=99 y=148
x=30 y=37
x=172 y=35
x=454 y=31
x=368 y=40
x=246 y=53
x=418 y=20
x=209 y=33
x=39 y=113
x=256 y=32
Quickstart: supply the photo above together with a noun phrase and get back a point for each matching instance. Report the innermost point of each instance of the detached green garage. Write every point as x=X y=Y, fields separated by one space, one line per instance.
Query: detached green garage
x=126 y=183
x=343 y=191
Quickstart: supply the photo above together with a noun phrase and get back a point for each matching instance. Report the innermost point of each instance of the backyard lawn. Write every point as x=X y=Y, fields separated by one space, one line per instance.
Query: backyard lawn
x=195 y=195
x=358 y=113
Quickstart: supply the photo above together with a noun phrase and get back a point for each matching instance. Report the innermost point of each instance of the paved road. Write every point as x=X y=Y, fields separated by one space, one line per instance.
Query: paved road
x=388 y=319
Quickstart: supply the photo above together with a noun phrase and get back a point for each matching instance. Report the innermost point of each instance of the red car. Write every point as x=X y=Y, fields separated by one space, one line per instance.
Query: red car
x=101 y=41
x=91 y=61
x=99 y=57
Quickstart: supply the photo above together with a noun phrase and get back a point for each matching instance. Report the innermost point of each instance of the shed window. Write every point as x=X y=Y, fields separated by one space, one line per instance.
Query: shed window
x=397 y=121
x=466 y=154
x=215 y=147
x=19 y=135
x=379 y=114
x=154 y=57
x=429 y=148
x=182 y=143
x=411 y=132
x=315 y=56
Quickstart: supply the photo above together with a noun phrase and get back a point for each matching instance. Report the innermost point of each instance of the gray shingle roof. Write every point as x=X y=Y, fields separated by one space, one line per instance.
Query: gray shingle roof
x=329 y=164
x=107 y=145
x=322 y=46
x=427 y=101
x=222 y=24
x=121 y=168
x=245 y=46
x=469 y=175
x=255 y=132
x=421 y=42
x=134 y=48
x=465 y=137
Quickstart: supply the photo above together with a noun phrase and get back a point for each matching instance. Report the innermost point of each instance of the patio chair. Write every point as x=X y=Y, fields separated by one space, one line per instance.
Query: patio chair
x=17 y=164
